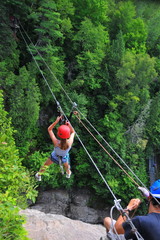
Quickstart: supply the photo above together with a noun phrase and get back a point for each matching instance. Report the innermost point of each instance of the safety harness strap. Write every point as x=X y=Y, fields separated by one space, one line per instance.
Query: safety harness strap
x=60 y=164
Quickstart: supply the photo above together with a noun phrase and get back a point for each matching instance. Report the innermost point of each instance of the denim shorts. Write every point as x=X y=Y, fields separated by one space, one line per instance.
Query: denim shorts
x=54 y=158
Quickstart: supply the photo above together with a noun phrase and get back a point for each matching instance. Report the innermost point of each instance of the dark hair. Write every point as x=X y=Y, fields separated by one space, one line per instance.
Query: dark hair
x=155 y=201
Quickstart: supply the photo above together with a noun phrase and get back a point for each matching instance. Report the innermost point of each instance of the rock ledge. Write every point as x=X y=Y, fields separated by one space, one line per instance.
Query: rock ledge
x=41 y=226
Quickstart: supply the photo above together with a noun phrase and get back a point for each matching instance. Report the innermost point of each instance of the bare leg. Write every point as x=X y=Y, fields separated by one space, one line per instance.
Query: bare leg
x=42 y=169
x=67 y=167
x=68 y=171
x=107 y=223
x=47 y=163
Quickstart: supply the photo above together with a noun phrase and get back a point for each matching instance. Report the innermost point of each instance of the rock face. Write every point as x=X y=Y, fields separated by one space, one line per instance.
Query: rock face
x=41 y=226
x=73 y=204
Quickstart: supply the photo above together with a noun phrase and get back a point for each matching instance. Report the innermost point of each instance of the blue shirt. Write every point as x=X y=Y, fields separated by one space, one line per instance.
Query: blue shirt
x=148 y=226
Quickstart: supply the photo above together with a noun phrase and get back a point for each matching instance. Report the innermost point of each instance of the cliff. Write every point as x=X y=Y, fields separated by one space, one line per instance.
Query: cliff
x=42 y=226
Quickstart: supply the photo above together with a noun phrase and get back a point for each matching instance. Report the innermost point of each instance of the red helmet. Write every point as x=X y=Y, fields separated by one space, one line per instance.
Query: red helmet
x=63 y=131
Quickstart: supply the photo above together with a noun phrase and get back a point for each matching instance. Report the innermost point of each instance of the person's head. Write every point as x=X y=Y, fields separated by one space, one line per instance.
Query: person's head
x=63 y=132
x=155 y=193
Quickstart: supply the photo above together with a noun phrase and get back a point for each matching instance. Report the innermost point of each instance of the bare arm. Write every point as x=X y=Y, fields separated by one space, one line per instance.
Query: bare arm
x=133 y=204
x=51 y=134
x=71 y=139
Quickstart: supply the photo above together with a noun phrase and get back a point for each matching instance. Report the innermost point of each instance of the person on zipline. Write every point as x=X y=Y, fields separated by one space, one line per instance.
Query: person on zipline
x=147 y=225
x=62 y=147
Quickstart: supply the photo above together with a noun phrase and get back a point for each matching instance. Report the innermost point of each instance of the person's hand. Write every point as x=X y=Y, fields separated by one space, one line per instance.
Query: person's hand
x=133 y=204
x=58 y=118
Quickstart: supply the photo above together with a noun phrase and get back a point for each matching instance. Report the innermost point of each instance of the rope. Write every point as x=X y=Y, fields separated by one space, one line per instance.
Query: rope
x=76 y=133
x=67 y=119
x=112 y=224
x=82 y=114
x=60 y=164
x=128 y=219
x=74 y=105
x=76 y=108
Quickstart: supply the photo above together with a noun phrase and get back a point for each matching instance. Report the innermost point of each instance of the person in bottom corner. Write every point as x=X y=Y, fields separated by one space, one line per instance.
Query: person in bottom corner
x=147 y=225
x=62 y=147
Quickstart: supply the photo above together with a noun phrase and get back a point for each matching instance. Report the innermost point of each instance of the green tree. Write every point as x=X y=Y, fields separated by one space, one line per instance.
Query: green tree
x=94 y=41
x=16 y=185
x=97 y=51
x=133 y=79
x=92 y=9
x=153 y=124
x=24 y=101
x=66 y=10
x=49 y=41
x=133 y=28
x=149 y=11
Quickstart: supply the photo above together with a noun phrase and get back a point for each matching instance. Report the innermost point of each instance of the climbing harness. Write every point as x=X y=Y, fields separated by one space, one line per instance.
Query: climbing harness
x=60 y=164
x=59 y=108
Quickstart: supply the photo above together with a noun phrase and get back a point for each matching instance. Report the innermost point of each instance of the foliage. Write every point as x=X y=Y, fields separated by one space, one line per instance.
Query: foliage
x=133 y=79
x=153 y=122
x=16 y=186
x=132 y=27
x=49 y=43
x=103 y=55
x=95 y=10
x=24 y=108
x=11 y=222
x=149 y=11
x=93 y=40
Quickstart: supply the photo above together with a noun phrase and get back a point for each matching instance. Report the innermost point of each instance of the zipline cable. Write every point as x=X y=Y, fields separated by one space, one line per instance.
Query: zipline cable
x=79 y=110
x=72 y=101
x=128 y=219
x=117 y=202
x=76 y=133
x=76 y=107
x=67 y=119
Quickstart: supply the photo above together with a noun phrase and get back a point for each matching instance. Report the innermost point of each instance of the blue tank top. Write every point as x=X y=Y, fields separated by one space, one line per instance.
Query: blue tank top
x=61 y=152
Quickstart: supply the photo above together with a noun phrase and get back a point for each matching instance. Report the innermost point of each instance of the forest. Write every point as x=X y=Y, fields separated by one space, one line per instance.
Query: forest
x=103 y=55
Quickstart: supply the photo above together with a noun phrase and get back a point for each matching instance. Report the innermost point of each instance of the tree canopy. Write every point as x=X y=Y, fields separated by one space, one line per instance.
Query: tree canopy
x=102 y=55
